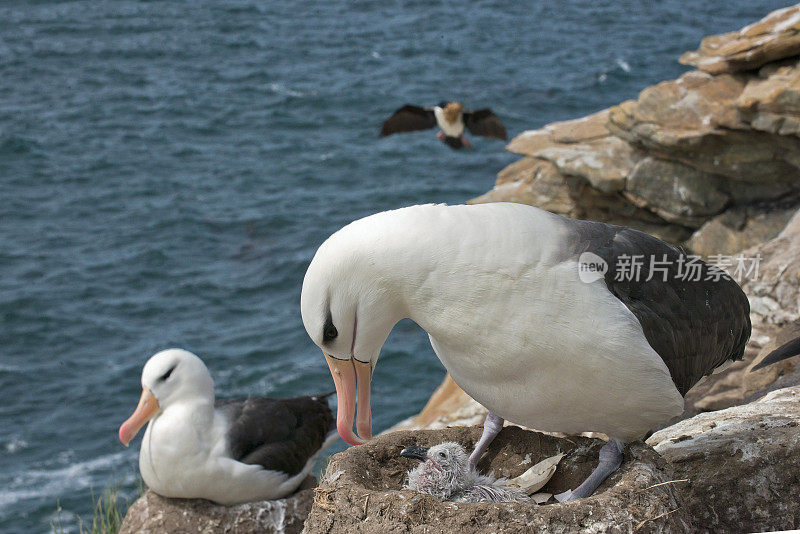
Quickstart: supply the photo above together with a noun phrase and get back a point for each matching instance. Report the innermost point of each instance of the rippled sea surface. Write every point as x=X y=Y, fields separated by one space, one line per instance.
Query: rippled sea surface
x=167 y=170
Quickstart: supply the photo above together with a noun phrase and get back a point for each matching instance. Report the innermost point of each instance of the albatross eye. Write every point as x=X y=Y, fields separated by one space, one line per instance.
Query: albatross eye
x=329 y=332
x=167 y=374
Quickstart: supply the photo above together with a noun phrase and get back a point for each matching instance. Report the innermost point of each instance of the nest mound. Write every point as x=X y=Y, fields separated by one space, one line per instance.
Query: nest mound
x=361 y=490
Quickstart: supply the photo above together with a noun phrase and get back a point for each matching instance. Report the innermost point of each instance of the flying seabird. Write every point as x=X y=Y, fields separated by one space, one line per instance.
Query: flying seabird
x=534 y=315
x=445 y=474
x=451 y=118
x=229 y=452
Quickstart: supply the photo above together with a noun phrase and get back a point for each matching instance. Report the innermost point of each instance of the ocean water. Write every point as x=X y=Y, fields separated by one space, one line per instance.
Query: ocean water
x=168 y=168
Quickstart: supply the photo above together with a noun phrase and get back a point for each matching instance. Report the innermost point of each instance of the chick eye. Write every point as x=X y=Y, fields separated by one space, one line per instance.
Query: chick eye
x=442 y=455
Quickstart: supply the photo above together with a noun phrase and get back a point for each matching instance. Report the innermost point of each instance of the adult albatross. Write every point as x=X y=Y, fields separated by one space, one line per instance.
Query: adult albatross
x=520 y=312
x=231 y=451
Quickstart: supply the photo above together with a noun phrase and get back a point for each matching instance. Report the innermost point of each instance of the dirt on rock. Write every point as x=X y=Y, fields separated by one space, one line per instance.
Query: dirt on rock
x=154 y=514
x=361 y=490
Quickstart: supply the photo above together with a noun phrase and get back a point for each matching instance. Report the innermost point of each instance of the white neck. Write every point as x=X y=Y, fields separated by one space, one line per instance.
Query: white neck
x=185 y=429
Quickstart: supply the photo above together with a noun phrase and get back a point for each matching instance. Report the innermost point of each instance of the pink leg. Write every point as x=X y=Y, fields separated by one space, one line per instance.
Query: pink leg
x=464 y=140
x=440 y=135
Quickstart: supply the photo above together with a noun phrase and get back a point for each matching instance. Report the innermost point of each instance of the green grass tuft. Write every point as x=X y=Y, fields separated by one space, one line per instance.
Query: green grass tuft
x=107 y=513
x=107 y=516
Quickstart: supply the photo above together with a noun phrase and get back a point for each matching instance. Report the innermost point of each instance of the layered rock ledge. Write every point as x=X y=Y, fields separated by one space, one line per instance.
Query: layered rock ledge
x=710 y=160
x=741 y=464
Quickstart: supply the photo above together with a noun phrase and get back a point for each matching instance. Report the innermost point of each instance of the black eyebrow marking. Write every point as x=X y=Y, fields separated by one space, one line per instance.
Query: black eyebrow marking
x=168 y=373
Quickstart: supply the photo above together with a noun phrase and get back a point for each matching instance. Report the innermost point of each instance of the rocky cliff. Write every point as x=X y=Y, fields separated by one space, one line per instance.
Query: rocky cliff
x=710 y=160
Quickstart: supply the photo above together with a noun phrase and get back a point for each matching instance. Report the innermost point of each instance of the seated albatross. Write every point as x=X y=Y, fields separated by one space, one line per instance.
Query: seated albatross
x=451 y=117
x=229 y=451
x=522 y=313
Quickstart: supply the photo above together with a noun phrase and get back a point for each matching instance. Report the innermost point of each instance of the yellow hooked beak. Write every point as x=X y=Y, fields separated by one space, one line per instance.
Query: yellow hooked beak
x=352 y=379
x=147 y=408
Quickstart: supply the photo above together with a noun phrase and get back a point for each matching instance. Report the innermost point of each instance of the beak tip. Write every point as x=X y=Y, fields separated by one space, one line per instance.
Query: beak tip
x=415 y=452
x=121 y=434
x=351 y=438
x=147 y=408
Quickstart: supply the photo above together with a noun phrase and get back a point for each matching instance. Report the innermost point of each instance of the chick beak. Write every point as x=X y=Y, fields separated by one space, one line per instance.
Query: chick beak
x=418 y=453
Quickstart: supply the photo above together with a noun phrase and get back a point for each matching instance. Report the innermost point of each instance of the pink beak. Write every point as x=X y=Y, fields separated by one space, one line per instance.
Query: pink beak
x=352 y=379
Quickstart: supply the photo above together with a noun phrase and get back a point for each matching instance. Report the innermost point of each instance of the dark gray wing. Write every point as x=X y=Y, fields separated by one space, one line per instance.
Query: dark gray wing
x=694 y=325
x=409 y=118
x=278 y=434
x=787 y=350
x=484 y=122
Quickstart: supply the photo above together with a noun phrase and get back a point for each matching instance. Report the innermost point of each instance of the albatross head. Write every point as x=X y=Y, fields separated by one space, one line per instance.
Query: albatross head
x=168 y=377
x=349 y=305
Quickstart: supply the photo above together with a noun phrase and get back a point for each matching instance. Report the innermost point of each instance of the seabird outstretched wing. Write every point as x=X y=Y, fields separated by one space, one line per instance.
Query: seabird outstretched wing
x=694 y=325
x=484 y=122
x=278 y=434
x=409 y=118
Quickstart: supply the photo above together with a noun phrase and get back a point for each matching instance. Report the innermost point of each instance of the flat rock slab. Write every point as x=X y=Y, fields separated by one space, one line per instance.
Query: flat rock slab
x=742 y=464
x=361 y=490
x=152 y=513
x=774 y=37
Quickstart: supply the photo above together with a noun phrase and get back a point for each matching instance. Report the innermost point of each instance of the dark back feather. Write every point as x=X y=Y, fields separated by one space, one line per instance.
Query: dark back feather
x=278 y=434
x=694 y=325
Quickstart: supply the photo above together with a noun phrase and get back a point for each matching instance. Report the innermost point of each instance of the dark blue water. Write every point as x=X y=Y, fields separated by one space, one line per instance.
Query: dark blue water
x=167 y=170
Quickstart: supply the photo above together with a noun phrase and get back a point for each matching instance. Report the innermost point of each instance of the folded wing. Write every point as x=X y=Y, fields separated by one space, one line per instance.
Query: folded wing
x=695 y=322
x=278 y=434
